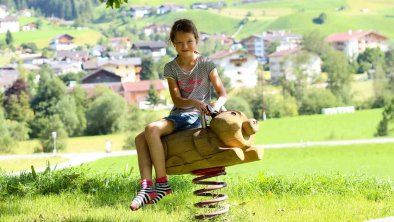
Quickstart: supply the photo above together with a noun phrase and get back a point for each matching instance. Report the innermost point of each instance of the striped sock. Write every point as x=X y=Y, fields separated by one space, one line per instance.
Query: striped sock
x=162 y=188
x=145 y=195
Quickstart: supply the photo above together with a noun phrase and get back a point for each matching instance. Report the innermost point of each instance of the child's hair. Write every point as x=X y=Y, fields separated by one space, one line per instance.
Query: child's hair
x=183 y=25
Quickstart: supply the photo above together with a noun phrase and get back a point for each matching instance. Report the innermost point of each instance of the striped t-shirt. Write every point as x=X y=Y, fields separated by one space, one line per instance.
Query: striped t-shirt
x=194 y=84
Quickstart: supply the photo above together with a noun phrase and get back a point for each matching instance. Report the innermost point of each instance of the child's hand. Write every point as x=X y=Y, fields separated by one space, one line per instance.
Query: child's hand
x=202 y=107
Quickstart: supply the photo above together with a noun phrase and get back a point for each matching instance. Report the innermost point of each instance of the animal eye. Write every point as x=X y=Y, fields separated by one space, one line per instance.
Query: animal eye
x=233 y=113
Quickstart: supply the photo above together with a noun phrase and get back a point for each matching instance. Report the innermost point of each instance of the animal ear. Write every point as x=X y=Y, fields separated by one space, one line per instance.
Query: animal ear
x=250 y=126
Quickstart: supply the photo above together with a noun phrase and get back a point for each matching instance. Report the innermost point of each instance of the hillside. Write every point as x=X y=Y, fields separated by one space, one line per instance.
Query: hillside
x=295 y=16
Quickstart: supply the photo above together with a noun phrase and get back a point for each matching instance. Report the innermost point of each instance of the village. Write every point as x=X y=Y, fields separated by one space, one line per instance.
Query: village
x=113 y=64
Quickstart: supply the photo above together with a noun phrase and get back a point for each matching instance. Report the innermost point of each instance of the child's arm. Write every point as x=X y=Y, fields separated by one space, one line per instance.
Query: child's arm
x=181 y=102
x=219 y=88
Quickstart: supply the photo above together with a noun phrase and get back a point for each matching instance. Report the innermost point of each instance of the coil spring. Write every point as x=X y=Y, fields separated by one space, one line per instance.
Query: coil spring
x=206 y=192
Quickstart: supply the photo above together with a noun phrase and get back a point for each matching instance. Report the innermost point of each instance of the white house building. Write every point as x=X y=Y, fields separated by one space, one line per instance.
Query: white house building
x=239 y=65
x=287 y=63
x=62 y=42
x=10 y=23
x=355 y=42
x=259 y=43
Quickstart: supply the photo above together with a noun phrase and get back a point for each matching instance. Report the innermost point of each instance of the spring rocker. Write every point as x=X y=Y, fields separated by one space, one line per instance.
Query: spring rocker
x=206 y=151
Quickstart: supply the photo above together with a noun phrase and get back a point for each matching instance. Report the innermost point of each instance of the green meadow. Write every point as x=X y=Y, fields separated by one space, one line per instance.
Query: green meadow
x=303 y=184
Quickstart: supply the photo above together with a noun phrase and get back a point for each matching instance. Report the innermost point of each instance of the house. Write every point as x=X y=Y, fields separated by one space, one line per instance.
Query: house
x=155 y=48
x=132 y=92
x=3 y=11
x=101 y=76
x=137 y=92
x=355 y=42
x=64 y=67
x=120 y=44
x=25 y=13
x=141 y=11
x=9 y=23
x=156 y=29
x=222 y=39
x=62 y=42
x=97 y=50
x=169 y=7
x=259 y=44
x=286 y=64
x=128 y=68
x=239 y=65
x=29 y=27
x=208 y=5
x=65 y=55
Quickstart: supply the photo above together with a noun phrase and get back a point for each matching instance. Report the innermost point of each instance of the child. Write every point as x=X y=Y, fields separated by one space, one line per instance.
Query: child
x=189 y=77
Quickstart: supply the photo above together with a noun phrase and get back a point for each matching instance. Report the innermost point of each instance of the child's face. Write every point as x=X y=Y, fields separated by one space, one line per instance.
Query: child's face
x=185 y=43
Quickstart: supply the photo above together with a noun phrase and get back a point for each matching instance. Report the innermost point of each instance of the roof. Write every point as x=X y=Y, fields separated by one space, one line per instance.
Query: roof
x=125 y=61
x=273 y=36
x=61 y=35
x=150 y=44
x=77 y=55
x=120 y=39
x=98 y=71
x=284 y=52
x=9 y=18
x=347 y=36
x=7 y=77
x=94 y=64
x=143 y=85
x=225 y=53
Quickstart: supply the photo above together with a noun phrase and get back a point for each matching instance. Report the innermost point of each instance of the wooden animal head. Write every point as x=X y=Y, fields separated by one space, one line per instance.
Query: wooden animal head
x=234 y=129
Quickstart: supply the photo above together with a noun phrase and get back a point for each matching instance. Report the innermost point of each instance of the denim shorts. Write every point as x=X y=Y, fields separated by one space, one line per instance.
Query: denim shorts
x=184 y=121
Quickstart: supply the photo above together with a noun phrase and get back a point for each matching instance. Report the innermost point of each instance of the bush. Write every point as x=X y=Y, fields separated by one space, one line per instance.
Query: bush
x=106 y=114
x=316 y=100
x=52 y=124
x=278 y=106
x=239 y=104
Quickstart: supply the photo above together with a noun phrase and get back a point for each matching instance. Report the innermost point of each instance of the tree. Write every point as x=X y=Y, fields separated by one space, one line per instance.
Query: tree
x=106 y=114
x=369 y=59
x=50 y=90
x=17 y=102
x=116 y=3
x=239 y=104
x=387 y=117
x=315 y=42
x=339 y=77
x=8 y=38
x=49 y=125
x=321 y=19
x=153 y=98
x=148 y=69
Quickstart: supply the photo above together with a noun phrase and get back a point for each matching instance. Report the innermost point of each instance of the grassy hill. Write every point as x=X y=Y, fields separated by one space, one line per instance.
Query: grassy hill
x=290 y=15
x=295 y=16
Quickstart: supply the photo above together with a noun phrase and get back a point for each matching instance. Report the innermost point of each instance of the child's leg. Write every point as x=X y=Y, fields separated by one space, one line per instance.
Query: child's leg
x=153 y=132
x=145 y=166
x=150 y=151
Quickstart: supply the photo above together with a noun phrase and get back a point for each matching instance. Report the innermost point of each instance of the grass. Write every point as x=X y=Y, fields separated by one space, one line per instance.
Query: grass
x=17 y=165
x=80 y=194
x=345 y=160
x=357 y=125
x=43 y=37
x=314 y=184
